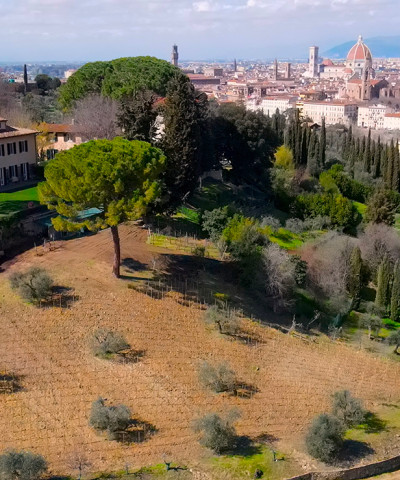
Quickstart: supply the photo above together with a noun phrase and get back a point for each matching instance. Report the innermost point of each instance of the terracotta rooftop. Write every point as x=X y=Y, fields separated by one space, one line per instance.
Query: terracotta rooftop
x=58 y=128
x=393 y=115
x=16 y=132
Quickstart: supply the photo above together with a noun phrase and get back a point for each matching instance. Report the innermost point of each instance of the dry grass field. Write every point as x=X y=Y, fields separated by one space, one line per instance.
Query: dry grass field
x=60 y=378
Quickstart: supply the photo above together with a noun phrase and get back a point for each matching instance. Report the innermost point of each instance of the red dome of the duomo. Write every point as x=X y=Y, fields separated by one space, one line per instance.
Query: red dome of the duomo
x=359 y=51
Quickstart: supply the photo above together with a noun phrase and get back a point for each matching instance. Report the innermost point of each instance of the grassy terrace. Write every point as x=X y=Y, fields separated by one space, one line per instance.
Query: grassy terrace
x=14 y=202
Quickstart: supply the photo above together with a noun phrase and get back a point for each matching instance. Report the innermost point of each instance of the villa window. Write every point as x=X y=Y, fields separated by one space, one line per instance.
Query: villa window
x=23 y=146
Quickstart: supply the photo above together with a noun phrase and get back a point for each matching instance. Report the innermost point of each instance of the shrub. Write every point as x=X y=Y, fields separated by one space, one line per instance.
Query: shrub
x=107 y=342
x=394 y=339
x=243 y=237
x=199 y=251
x=300 y=269
x=325 y=437
x=297 y=225
x=347 y=186
x=214 y=221
x=372 y=322
x=218 y=433
x=33 y=285
x=112 y=419
x=347 y=409
x=272 y=222
x=225 y=320
x=219 y=378
x=339 y=209
x=328 y=183
x=381 y=208
x=21 y=466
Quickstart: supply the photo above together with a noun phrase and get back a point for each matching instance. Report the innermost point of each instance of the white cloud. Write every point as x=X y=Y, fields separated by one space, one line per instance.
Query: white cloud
x=202 y=6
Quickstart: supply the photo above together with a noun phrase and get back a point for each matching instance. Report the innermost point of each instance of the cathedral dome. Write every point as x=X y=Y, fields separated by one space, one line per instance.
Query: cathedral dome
x=359 y=52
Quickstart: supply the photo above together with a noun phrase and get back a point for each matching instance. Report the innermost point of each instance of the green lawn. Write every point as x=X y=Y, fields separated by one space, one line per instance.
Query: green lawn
x=14 y=202
x=244 y=466
x=361 y=208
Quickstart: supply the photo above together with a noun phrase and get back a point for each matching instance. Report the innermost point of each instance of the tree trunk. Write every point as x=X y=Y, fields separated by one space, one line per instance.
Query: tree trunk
x=117 y=251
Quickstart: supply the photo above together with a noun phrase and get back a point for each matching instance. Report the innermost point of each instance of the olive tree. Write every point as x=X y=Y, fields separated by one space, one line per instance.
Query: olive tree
x=218 y=433
x=112 y=419
x=33 y=285
x=219 y=378
x=394 y=339
x=348 y=409
x=118 y=177
x=107 y=342
x=21 y=466
x=325 y=437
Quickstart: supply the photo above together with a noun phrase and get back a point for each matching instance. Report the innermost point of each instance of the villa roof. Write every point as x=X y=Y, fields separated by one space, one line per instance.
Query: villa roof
x=16 y=132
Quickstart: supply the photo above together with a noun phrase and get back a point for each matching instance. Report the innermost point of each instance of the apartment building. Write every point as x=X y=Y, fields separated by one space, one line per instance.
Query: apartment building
x=392 y=121
x=344 y=113
x=372 y=116
x=269 y=105
x=17 y=153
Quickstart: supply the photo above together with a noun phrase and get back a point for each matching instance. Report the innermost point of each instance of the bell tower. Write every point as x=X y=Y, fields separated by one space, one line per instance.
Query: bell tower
x=175 y=56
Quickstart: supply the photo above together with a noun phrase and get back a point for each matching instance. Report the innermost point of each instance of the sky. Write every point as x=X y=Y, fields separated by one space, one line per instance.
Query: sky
x=87 y=30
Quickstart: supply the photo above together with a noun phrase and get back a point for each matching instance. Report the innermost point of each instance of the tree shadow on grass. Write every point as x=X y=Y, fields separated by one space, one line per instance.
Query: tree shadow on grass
x=373 y=424
x=129 y=356
x=352 y=452
x=245 y=447
x=61 y=296
x=138 y=432
x=245 y=390
x=10 y=383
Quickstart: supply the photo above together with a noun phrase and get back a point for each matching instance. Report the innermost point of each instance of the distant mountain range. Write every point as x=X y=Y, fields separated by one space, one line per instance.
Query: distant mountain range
x=381 y=47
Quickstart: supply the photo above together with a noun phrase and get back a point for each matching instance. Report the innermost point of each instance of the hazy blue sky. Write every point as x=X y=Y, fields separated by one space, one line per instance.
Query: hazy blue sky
x=105 y=29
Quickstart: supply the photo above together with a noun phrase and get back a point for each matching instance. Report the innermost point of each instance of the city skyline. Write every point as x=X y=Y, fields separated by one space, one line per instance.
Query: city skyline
x=203 y=29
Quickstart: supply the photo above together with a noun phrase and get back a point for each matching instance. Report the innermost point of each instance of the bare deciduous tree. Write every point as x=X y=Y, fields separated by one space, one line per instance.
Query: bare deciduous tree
x=329 y=263
x=377 y=241
x=95 y=117
x=279 y=276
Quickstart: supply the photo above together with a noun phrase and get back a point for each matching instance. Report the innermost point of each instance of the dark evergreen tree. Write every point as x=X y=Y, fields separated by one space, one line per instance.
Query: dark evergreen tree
x=381 y=208
x=181 y=142
x=395 y=298
x=367 y=153
x=137 y=116
x=382 y=298
x=354 y=282
x=322 y=142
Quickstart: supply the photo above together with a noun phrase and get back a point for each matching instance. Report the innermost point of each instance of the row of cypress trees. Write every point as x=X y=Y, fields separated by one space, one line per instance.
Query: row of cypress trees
x=376 y=158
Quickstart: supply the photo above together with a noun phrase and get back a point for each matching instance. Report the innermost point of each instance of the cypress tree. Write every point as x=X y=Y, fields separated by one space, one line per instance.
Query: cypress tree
x=367 y=153
x=362 y=148
x=311 y=145
x=395 y=299
x=354 y=283
x=182 y=139
x=345 y=146
x=383 y=284
x=322 y=141
x=304 y=141
x=383 y=163
x=396 y=168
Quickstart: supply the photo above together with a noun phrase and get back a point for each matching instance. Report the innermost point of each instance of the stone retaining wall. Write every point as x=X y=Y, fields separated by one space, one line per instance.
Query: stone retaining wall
x=357 y=473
